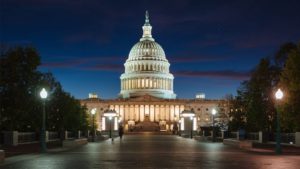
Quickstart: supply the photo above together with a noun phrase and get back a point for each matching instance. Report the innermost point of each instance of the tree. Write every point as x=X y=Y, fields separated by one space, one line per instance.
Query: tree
x=237 y=114
x=255 y=98
x=21 y=106
x=290 y=81
x=18 y=77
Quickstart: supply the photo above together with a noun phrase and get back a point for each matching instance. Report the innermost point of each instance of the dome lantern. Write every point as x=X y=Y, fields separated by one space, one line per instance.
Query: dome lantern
x=147 y=28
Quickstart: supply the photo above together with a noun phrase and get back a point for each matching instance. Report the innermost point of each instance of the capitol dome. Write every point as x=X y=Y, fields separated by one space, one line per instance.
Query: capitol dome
x=147 y=50
x=147 y=69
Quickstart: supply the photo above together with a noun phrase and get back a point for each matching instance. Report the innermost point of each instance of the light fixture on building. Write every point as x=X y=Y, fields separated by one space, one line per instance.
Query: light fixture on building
x=200 y=96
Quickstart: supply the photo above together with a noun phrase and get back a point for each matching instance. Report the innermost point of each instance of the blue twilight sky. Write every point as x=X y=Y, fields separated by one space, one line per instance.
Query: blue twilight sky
x=211 y=45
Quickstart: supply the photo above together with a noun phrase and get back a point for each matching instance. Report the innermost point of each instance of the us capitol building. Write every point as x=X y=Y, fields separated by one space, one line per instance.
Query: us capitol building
x=147 y=101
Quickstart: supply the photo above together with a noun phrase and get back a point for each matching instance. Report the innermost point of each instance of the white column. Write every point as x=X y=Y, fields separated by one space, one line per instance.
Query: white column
x=131 y=112
x=167 y=110
x=136 y=112
x=122 y=112
x=177 y=110
x=103 y=123
x=151 y=113
x=147 y=109
x=172 y=112
x=126 y=112
x=115 y=123
x=195 y=123
x=142 y=112
x=181 y=108
x=162 y=112
x=157 y=118
x=182 y=124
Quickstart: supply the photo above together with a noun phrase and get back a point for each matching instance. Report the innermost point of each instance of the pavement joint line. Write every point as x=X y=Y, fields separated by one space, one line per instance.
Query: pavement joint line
x=151 y=152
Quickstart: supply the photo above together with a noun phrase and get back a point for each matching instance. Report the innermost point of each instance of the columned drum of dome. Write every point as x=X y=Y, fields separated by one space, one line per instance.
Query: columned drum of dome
x=147 y=69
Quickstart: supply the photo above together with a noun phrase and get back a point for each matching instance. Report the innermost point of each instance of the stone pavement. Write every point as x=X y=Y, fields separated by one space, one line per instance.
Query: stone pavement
x=153 y=151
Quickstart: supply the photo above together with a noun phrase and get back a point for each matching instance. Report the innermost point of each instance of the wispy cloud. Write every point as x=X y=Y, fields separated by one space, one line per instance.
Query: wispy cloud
x=198 y=58
x=69 y=62
x=105 y=67
x=229 y=74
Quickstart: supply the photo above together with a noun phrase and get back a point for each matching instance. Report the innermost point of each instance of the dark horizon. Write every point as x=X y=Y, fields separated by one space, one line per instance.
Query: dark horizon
x=211 y=46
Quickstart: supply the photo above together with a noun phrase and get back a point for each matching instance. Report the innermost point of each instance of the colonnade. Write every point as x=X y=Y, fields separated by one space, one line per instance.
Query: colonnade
x=147 y=83
x=146 y=67
x=155 y=112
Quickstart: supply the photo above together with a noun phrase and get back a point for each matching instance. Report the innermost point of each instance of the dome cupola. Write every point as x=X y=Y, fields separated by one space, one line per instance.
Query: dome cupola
x=147 y=69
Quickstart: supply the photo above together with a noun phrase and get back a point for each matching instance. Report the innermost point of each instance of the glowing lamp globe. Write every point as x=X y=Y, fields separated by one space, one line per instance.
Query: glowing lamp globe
x=279 y=94
x=43 y=93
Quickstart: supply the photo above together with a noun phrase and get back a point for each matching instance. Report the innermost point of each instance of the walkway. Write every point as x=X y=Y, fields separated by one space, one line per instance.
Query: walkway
x=153 y=151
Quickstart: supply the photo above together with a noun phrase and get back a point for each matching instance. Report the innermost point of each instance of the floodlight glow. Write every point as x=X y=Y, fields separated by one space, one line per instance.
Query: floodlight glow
x=93 y=111
x=214 y=112
x=187 y=113
x=109 y=114
x=43 y=93
x=279 y=94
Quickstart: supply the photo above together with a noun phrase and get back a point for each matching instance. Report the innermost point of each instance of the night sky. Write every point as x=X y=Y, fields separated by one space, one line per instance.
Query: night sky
x=211 y=45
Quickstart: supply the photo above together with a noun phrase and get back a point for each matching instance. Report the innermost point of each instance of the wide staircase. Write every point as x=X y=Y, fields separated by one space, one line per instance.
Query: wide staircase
x=147 y=127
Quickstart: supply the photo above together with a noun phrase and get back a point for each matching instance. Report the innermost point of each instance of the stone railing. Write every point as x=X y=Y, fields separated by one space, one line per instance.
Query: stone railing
x=260 y=137
x=15 y=138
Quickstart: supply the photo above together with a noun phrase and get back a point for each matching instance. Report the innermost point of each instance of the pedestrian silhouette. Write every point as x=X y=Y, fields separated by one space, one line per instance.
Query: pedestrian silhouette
x=121 y=131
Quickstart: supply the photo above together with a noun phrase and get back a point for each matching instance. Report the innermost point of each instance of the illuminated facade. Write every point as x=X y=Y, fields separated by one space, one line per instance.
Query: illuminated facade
x=146 y=101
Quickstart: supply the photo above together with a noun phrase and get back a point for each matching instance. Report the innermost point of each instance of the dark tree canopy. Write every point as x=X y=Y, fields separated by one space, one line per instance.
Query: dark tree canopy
x=21 y=106
x=255 y=103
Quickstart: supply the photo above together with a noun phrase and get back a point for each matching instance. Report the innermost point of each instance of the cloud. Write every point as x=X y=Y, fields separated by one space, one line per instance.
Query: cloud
x=70 y=62
x=65 y=64
x=198 y=58
x=105 y=67
x=229 y=74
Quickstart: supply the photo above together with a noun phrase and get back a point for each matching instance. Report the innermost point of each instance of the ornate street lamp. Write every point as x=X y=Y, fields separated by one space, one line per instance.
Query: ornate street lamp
x=110 y=114
x=278 y=96
x=43 y=95
x=93 y=112
x=190 y=114
x=213 y=112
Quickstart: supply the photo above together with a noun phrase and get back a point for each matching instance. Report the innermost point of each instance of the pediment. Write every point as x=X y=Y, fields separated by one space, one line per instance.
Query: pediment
x=145 y=97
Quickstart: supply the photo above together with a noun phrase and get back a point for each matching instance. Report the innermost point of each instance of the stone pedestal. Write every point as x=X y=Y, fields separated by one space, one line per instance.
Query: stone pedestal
x=2 y=156
x=260 y=137
x=47 y=136
x=297 y=139
x=79 y=134
x=66 y=135
x=11 y=137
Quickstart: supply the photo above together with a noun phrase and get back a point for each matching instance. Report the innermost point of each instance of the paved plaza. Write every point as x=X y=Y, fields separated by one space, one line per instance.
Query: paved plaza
x=153 y=151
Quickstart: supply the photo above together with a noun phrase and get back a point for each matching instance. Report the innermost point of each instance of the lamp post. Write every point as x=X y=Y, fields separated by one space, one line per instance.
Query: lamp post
x=213 y=112
x=43 y=95
x=192 y=118
x=278 y=96
x=179 y=128
x=190 y=114
x=93 y=112
x=110 y=114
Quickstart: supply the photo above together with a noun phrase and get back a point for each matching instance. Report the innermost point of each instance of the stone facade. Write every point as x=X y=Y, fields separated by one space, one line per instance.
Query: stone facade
x=146 y=99
x=164 y=112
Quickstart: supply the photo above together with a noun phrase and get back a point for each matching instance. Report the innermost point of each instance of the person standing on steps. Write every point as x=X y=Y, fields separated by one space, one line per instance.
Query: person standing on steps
x=121 y=131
